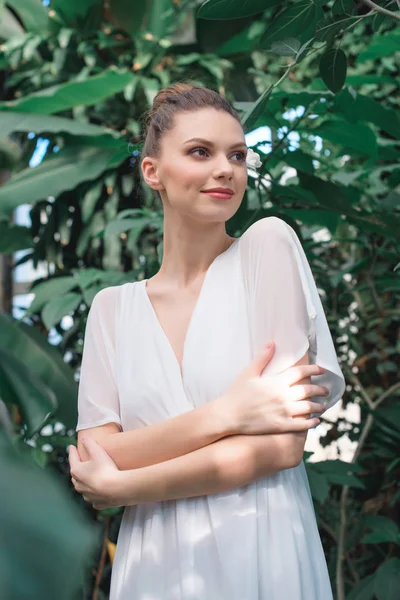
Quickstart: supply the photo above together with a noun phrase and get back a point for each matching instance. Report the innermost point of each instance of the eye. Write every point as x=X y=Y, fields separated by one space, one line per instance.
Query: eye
x=242 y=155
x=198 y=150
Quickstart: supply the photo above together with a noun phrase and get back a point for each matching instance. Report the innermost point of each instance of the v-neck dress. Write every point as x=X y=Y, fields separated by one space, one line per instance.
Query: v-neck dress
x=256 y=542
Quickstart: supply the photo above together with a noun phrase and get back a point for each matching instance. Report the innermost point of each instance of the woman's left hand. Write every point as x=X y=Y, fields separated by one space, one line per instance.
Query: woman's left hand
x=97 y=479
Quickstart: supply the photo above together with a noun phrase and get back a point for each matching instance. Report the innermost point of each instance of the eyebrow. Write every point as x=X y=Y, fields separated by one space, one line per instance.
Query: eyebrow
x=203 y=141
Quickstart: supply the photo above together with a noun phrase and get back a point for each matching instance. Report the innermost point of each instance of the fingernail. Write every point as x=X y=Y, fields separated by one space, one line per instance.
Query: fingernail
x=268 y=346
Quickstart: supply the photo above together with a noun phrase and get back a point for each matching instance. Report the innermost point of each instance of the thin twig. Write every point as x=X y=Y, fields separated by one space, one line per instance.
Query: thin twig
x=102 y=561
x=383 y=11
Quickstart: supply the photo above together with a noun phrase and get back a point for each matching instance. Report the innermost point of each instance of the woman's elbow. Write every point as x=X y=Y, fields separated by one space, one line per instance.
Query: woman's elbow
x=294 y=448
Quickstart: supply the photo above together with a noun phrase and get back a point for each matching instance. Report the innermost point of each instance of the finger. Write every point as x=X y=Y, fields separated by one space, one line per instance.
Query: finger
x=307 y=390
x=73 y=458
x=301 y=424
x=298 y=372
x=305 y=407
x=93 y=448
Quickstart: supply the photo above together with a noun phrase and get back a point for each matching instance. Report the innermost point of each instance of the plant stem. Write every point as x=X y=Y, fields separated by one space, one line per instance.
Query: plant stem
x=383 y=11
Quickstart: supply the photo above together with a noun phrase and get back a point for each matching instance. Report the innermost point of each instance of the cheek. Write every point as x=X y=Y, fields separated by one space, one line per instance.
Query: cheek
x=187 y=175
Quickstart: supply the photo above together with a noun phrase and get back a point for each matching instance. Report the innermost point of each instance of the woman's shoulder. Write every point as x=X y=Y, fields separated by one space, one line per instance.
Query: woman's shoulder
x=106 y=299
x=268 y=231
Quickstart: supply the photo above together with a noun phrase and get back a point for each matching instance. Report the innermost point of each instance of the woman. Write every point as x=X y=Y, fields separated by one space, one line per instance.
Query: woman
x=194 y=426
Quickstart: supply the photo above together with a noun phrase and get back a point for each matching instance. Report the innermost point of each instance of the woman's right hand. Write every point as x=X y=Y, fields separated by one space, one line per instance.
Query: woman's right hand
x=256 y=405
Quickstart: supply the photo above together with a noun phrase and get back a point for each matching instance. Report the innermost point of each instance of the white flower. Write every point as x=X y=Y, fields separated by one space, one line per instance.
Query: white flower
x=253 y=159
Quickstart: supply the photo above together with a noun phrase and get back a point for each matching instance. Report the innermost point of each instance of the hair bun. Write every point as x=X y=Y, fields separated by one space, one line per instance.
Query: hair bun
x=164 y=95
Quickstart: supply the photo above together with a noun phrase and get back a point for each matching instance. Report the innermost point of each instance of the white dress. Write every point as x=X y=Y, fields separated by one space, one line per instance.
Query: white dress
x=257 y=542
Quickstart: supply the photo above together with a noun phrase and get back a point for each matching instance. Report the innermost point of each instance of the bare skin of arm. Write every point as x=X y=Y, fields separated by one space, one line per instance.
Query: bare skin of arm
x=167 y=440
x=221 y=466
x=160 y=442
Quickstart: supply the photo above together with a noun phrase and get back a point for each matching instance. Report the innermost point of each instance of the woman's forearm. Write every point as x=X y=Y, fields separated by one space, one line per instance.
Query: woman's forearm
x=221 y=466
x=161 y=442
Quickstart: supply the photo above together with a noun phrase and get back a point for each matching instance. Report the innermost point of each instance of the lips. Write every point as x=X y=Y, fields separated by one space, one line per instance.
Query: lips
x=219 y=191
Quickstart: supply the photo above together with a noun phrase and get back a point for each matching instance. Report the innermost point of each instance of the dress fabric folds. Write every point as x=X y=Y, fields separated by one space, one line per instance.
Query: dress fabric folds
x=256 y=542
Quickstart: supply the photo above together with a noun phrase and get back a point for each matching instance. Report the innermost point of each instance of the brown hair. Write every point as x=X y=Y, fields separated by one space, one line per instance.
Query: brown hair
x=173 y=99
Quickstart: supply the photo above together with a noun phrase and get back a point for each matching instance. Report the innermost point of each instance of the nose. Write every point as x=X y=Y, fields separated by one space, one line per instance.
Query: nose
x=223 y=168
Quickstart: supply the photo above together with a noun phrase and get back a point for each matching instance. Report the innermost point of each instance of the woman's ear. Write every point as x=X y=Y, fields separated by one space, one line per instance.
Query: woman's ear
x=150 y=174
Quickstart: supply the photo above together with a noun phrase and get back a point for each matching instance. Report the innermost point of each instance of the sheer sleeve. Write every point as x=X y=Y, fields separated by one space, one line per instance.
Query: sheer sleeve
x=98 y=401
x=284 y=304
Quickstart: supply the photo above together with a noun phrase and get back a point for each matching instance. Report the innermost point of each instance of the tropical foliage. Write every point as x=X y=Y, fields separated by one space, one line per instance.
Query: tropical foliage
x=77 y=78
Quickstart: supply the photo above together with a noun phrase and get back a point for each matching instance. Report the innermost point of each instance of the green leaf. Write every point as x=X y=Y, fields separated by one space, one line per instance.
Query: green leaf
x=359 y=107
x=256 y=110
x=27 y=122
x=233 y=9
x=379 y=538
x=330 y=27
x=56 y=286
x=39 y=506
x=387 y=580
x=286 y=47
x=45 y=361
x=76 y=13
x=57 y=308
x=14 y=237
x=299 y=160
x=61 y=172
x=10 y=28
x=291 y=22
x=333 y=69
x=73 y=93
x=380 y=46
x=364 y=589
x=359 y=137
x=344 y=7
x=20 y=386
x=32 y=14
x=319 y=485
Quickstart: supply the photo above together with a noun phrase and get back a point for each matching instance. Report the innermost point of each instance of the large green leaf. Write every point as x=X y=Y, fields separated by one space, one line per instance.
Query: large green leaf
x=51 y=288
x=319 y=485
x=382 y=529
x=233 y=9
x=40 y=521
x=359 y=137
x=387 y=580
x=9 y=26
x=14 y=237
x=364 y=589
x=18 y=121
x=62 y=172
x=74 y=93
x=336 y=467
x=74 y=13
x=292 y=22
x=32 y=14
x=359 y=107
x=45 y=361
x=57 y=308
x=333 y=69
x=22 y=387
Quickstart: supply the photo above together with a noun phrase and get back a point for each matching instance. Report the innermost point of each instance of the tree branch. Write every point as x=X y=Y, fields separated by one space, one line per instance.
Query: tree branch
x=383 y=11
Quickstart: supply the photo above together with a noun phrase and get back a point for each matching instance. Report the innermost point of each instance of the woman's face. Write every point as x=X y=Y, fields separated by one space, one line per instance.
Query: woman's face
x=186 y=166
